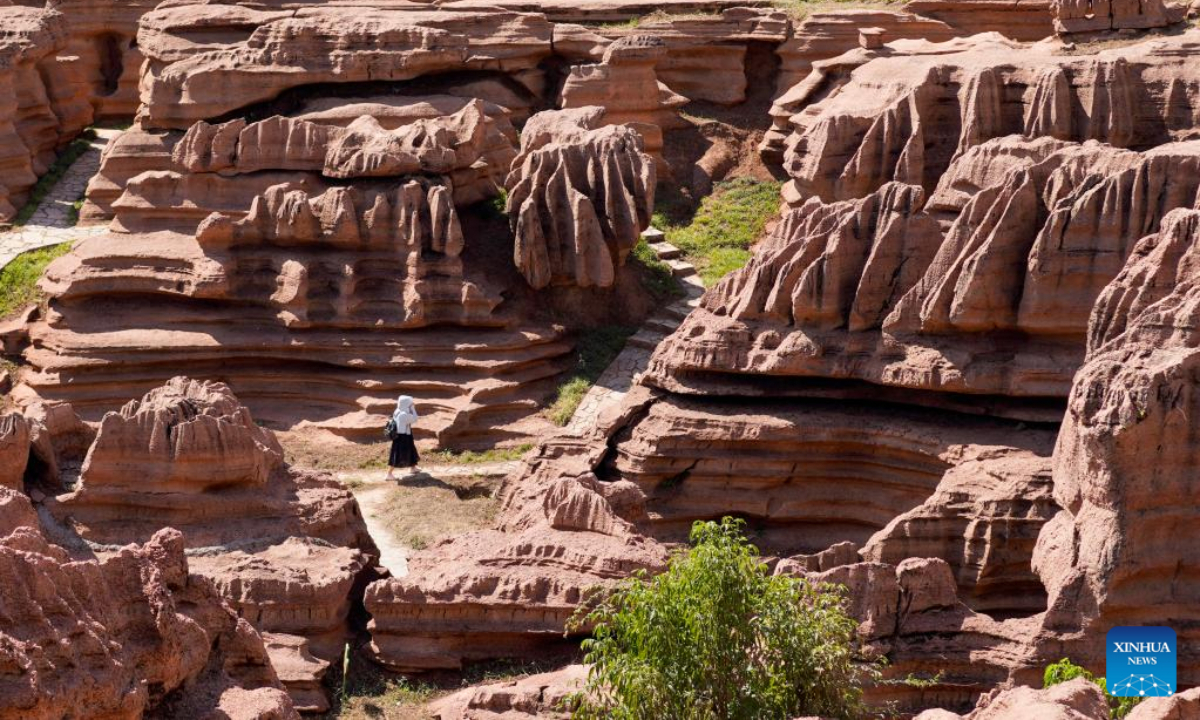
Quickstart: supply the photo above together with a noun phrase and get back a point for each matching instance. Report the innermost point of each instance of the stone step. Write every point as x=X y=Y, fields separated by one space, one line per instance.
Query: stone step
x=646 y=339
x=665 y=250
x=666 y=325
x=653 y=235
x=677 y=311
x=681 y=269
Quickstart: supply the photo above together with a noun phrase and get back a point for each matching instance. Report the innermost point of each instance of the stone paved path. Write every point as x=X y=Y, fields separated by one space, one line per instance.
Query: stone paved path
x=625 y=370
x=50 y=224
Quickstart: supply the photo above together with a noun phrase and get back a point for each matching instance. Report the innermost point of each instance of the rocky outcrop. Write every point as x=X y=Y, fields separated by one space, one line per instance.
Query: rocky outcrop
x=983 y=520
x=789 y=470
x=579 y=197
x=538 y=696
x=1084 y=16
x=102 y=52
x=1119 y=527
x=941 y=241
x=384 y=266
x=14 y=450
x=1078 y=699
x=33 y=123
x=134 y=633
x=267 y=52
x=712 y=56
x=285 y=549
x=626 y=85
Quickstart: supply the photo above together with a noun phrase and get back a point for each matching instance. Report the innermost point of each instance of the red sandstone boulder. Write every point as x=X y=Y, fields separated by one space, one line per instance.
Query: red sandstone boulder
x=579 y=196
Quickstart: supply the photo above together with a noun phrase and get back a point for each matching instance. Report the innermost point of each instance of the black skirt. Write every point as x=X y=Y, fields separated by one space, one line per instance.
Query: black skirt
x=404 y=452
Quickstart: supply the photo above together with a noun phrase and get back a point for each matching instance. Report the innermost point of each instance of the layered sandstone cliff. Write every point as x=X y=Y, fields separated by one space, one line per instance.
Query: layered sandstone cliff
x=288 y=551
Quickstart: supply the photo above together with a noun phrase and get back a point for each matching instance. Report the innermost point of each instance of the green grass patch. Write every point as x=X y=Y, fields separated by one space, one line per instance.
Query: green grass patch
x=657 y=277
x=717 y=238
x=46 y=183
x=596 y=349
x=476 y=457
x=363 y=691
x=73 y=213
x=18 y=279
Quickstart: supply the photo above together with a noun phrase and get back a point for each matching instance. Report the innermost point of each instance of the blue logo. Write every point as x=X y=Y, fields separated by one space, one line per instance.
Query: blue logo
x=1140 y=661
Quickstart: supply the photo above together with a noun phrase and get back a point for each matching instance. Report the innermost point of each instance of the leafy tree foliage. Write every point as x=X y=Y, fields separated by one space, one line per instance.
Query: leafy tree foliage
x=1065 y=670
x=716 y=637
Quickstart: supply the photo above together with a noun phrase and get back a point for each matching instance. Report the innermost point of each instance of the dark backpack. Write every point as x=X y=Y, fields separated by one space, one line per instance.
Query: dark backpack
x=390 y=429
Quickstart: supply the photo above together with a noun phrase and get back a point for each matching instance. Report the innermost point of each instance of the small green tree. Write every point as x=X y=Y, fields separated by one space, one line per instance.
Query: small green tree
x=716 y=637
x=1065 y=670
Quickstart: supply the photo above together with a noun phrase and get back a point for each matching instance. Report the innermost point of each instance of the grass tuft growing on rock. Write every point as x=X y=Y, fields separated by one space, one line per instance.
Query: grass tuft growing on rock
x=18 y=279
x=596 y=348
x=718 y=237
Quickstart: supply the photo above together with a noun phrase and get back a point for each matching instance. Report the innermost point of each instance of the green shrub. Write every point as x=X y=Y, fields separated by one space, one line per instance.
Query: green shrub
x=1064 y=671
x=18 y=279
x=717 y=637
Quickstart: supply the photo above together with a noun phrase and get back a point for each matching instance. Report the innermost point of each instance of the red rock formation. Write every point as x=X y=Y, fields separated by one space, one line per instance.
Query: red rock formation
x=790 y=470
x=14 y=450
x=1107 y=556
x=131 y=634
x=579 y=197
x=102 y=52
x=285 y=549
x=538 y=696
x=186 y=81
x=29 y=117
x=626 y=85
x=983 y=519
x=1000 y=267
x=1078 y=699
x=1082 y=16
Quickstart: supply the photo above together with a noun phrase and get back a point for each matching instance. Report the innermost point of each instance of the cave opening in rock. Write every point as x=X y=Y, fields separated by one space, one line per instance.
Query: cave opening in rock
x=110 y=49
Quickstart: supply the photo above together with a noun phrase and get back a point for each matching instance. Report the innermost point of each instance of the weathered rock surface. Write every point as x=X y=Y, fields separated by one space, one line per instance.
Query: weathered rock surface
x=1083 y=16
x=792 y=469
x=283 y=548
x=132 y=634
x=1078 y=699
x=382 y=265
x=538 y=696
x=579 y=197
x=983 y=519
x=941 y=241
x=1123 y=455
x=190 y=78
x=102 y=52
x=626 y=85
x=29 y=118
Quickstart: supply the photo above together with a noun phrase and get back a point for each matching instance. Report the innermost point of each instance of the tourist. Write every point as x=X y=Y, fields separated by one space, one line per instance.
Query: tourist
x=399 y=429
